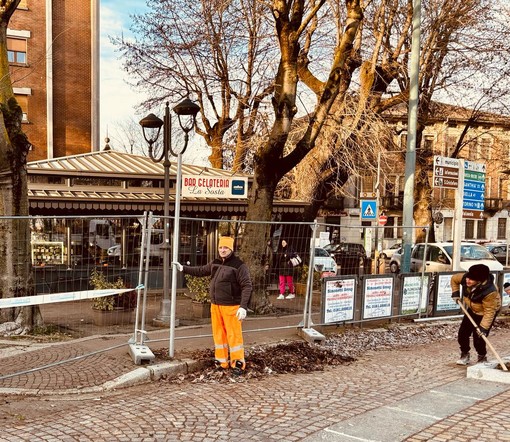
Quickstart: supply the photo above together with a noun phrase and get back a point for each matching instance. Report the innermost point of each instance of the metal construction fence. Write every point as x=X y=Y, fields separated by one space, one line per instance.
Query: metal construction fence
x=104 y=275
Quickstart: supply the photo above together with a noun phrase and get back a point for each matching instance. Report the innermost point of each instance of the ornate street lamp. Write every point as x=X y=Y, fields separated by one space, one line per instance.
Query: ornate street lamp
x=152 y=125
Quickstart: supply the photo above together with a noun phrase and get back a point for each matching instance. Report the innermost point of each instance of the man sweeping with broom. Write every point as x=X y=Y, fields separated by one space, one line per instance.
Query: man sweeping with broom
x=482 y=301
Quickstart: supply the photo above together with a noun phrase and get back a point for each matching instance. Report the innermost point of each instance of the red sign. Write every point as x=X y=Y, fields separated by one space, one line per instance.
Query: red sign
x=383 y=219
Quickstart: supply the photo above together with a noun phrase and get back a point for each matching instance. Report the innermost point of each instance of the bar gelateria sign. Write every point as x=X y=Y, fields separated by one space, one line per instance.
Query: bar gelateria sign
x=199 y=186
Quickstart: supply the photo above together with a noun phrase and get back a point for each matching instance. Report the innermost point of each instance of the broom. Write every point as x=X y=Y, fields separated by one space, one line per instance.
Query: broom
x=503 y=365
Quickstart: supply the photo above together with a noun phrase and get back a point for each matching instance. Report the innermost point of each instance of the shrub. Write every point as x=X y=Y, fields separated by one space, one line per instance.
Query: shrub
x=126 y=300
x=198 y=287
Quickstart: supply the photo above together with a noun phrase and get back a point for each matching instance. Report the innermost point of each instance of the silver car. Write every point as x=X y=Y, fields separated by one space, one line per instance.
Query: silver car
x=439 y=257
x=323 y=261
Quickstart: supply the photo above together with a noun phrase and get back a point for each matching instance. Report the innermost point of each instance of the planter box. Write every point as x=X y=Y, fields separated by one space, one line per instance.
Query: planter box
x=201 y=309
x=300 y=289
x=118 y=316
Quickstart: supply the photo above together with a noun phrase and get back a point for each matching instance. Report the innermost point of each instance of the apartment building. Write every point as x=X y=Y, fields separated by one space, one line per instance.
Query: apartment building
x=53 y=50
x=487 y=142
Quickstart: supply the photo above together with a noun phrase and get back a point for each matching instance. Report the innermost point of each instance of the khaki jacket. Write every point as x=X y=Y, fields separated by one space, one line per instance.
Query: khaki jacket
x=483 y=299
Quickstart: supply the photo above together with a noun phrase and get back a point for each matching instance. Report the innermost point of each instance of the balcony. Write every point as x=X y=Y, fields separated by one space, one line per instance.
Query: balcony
x=334 y=203
x=493 y=205
x=392 y=202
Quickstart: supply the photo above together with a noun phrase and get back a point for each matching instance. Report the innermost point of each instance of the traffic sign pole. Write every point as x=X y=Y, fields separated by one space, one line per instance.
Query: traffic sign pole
x=457 y=218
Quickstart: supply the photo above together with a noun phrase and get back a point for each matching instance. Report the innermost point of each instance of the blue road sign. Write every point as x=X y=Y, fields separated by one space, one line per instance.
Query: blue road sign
x=368 y=209
x=474 y=186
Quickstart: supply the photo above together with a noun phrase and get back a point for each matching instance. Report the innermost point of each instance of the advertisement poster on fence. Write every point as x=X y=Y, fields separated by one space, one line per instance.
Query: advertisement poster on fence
x=506 y=298
x=411 y=293
x=339 y=300
x=378 y=297
x=444 y=301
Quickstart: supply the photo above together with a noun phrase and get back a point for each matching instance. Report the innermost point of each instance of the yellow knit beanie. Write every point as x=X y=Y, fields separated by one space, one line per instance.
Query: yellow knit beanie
x=226 y=241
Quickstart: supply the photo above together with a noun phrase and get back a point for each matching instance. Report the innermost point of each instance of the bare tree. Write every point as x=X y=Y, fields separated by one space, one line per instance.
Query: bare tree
x=15 y=263
x=218 y=52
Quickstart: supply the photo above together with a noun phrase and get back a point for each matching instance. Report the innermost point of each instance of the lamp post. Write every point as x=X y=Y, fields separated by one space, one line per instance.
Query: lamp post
x=151 y=126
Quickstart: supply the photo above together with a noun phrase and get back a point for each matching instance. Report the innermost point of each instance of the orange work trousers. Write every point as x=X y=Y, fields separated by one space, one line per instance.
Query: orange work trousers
x=227 y=335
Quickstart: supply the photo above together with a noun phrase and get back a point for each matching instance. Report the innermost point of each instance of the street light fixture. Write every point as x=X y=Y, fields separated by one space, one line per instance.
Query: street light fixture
x=151 y=126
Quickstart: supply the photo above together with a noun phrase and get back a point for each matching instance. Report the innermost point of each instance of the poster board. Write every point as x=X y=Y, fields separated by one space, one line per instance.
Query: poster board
x=338 y=300
x=47 y=253
x=377 y=297
x=410 y=293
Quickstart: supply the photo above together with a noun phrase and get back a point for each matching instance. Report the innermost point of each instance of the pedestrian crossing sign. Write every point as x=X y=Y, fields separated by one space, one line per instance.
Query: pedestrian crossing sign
x=368 y=209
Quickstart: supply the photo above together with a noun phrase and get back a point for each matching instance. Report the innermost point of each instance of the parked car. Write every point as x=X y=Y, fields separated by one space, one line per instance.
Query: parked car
x=388 y=253
x=323 y=261
x=498 y=250
x=351 y=258
x=439 y=257
x=396 y=260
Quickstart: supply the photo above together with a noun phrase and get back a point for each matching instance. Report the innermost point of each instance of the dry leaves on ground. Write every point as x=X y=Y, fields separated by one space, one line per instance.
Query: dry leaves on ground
x=337 y=349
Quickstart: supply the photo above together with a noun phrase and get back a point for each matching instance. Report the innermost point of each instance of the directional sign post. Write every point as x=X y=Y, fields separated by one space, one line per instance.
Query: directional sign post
x=474 y=190
x=446 y=172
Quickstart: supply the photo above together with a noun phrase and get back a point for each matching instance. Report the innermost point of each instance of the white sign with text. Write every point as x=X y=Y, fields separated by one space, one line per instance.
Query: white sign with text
x=199 y=186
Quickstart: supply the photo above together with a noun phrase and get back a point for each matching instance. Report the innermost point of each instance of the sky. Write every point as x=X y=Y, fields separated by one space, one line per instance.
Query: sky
x=118 y=99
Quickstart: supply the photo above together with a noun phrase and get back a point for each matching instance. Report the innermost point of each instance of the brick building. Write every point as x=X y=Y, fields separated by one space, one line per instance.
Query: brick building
x=53 y=49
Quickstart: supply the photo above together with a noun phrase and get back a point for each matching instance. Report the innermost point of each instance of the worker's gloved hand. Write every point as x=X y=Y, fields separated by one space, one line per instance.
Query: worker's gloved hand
x=178 y=265
x=241 y=313
x=456 y=296
x=482 y=331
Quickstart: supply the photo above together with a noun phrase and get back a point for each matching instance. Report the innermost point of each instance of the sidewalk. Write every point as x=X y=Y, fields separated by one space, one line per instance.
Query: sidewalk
x=99 y=363
x=414 y=393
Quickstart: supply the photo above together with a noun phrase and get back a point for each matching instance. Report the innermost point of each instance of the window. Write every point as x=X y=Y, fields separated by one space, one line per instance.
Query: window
x=17 y=50
x=451 y=143
x=470 y=229
x=485 y=148
x=367 y=183
x=503 y=188
x=481 y=227
x=23 y=102
x=502 y=228
x=428 y=143
x=389 y=231
x=403 y=141
x=472 y=151
x=418 y=252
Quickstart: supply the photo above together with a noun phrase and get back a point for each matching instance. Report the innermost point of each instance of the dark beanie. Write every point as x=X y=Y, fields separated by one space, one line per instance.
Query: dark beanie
x=478 y=272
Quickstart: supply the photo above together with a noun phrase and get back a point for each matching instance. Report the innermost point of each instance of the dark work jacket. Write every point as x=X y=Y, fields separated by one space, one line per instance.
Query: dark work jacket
x=230 y=280
x=283 y=265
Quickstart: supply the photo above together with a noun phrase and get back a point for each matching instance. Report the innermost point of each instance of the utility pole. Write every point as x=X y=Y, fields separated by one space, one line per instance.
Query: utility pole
x=412 y=123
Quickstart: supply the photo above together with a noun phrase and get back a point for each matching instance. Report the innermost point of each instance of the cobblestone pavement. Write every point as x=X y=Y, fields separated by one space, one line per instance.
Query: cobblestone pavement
x=289 y=407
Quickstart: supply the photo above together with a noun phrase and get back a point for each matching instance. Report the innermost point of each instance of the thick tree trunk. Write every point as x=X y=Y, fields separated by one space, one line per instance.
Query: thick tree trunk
x=15 y=262
x=257 y=235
